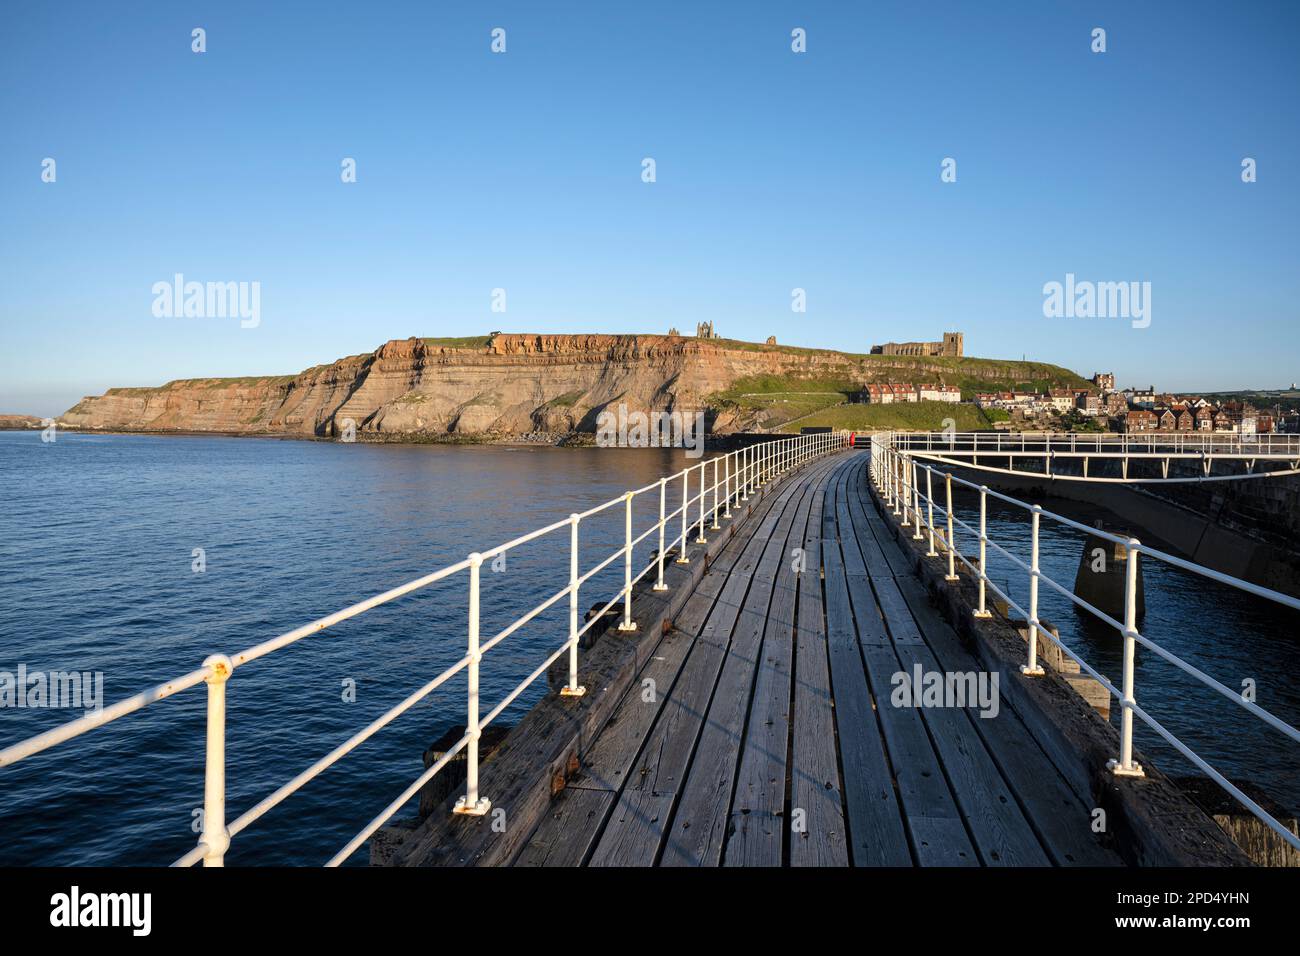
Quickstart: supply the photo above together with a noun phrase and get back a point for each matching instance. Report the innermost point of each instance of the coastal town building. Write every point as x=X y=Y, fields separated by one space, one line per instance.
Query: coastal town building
x=888 y=393
x=1104 y=381
x=1114 y=404
x=1061 y=399
x=1138 y=420
x=1088 y=403
x=1243 y=417
x=1144 y=398
x=938 y=393
x=952 y=345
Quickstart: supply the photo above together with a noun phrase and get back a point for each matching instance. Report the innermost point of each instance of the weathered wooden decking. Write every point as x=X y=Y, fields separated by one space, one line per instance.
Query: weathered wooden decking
x=760 y=730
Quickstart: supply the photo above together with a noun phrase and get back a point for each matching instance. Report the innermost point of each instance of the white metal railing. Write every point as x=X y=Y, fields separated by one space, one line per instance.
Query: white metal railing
x=735 y=476
x=898 y=477
x=963 y=449
x=1003 y=442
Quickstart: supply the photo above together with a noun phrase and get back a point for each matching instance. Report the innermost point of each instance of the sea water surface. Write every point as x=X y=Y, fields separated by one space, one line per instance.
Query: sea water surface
x=97 y=573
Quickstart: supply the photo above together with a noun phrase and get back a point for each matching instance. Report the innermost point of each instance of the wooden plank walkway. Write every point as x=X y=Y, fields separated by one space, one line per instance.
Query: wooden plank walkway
x=760 y=731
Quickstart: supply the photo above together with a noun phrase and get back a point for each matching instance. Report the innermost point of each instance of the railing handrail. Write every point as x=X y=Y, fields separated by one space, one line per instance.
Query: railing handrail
x=746 y=469
x=894 y=471
x=964 y=449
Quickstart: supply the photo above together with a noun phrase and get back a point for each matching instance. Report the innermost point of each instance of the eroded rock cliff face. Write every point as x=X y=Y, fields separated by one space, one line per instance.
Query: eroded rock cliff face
x=502 y=386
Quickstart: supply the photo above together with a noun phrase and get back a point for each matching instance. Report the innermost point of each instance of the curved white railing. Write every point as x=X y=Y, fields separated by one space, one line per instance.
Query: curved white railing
x=735 y=475
x=1262 y=456
x=899 y=476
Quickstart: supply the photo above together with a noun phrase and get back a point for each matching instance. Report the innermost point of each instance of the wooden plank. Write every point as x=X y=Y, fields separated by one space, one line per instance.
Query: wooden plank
x=636 y=826
x=607 y=762
x=567 y=834
x=902 y=629
x=939 y=836
x=997 y=826
x=892 y=555
x=875 y=827
x=611 y=756
x=758 y=806
x=871 y=623
x=815 y=785
x=636 y=823
x=700 y=820
x=1060 y=818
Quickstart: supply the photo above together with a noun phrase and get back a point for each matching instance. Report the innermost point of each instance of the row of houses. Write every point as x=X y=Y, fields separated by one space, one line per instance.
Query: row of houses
x=1033 y=403
x=1136 y=410
x=1201 y=416
x=884 y=394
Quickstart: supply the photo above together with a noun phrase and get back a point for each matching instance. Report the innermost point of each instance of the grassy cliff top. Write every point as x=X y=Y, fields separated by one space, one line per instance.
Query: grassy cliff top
x=846 y=371
x=915 y=416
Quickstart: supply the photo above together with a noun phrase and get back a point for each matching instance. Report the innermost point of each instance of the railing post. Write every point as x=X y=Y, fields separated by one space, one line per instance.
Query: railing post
x=1032 y=669
x=728 y=481
x=686 y=494
x=572 y=689
x=215 y=837
x=982 y=611
x=905 y=495
x=471 y=803
x=627 y=624
x=929 y=497
x=952 y=534
x=663 y=504
x=1125 y=766
x=701 y=539
x=715 y=524
x=916 y=503
x=744 y=473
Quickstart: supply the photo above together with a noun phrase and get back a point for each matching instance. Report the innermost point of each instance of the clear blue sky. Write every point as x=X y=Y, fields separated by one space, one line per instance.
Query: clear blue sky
x=522 y=171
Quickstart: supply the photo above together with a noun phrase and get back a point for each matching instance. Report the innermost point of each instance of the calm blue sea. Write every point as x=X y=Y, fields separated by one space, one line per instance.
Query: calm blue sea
x=97 y=537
